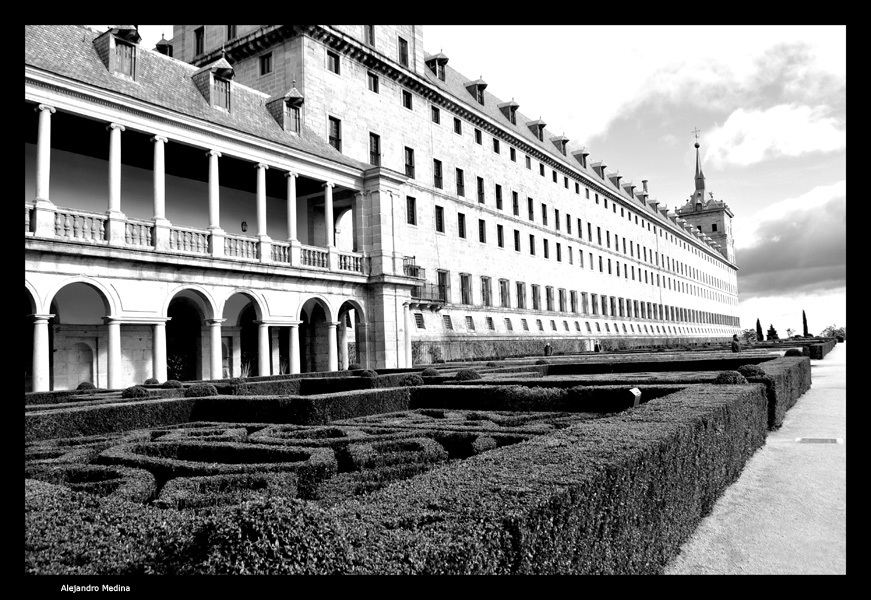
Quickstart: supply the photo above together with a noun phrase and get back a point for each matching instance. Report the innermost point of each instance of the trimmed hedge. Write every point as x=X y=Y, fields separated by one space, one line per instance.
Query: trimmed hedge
x=785 y=380
x=135 y=485
x=221 y=490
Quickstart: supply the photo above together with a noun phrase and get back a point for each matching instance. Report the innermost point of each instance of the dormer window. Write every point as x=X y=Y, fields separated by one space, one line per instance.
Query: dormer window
x=560 y=143
x=476 y=88
x=293 y=119
x=286 y=109
x=437 y=64
x=213 y=82
x=509 y=109
x=117 y=48
x=537 y=129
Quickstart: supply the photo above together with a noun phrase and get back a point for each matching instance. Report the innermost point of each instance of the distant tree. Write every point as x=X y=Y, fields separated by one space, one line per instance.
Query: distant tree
x=749 y=336
x=759 y=335
x=772 y=333
x=804 y=324
x=834 y=331
x=789 y=332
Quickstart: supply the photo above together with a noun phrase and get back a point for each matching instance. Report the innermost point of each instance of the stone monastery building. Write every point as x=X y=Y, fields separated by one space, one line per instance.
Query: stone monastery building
x=265 y=199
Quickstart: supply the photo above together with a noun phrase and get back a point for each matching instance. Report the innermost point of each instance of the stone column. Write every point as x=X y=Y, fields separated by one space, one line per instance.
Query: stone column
x=362 y=340
x=158 y=353
x=263 y=350
x=217 y=234
x=359 y=199
x=265 y=241
x=294 y=348
x=407 y=318
x=116 y=220
x=44 y=213
x=332 y=359
x=161 y=225
x=343 y=343
x=216 y=370
x=114 y=353
x=41 y=371
x=291 y=219
x=328 y=214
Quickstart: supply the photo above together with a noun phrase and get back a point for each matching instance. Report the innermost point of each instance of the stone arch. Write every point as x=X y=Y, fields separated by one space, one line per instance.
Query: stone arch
x=344 y=227
x=316 y=317
x=352 y=339
x=107 y=294
x=241 y=309
x=187 y=309
x=208 y=303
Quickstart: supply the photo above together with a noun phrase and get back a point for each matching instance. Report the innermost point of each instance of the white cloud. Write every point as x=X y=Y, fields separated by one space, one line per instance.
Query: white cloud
x=748 y=230
x=751 y=136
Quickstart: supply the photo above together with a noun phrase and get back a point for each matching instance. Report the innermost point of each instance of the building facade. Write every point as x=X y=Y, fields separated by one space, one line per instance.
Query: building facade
x=254 y=200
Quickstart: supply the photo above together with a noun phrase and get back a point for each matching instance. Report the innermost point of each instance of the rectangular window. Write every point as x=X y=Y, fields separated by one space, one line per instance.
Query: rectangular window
x=369 y=34
x=513 y=153
x=515 y=201
x=581 y=257
x=569 y=253
x=556 y=218
x=465 y=288
x=333 y=62
x=482 y=231
x=578 y=192
x=446 y=319
x=222 y=94
x=539 y=325
x=411 y=210
x=609 y=266
x=559 y=254
x=266 y=64
x=125 y=60
x=544 y=214
x=608 y=238
x=546 y=249
x=461 y=186
x=199 y=36
x=418 y=320
x=490 y=325
x=336 y=133
x=461 y=225
x=498 y=196
x=568 y=224
x=528 y=162
x=500 y=236
x=525 y=324
x=403 y=52
x=532 y=245
x=478 y=138
x=585 y=303
x=504 y=294
x=589 y=231
x=601 y=270
x=508 y=325
x=573 y=299
x=554 y=176
x=437 y=173
x=516 y=240
x=374 y=149
x=562 y=300
x=409 y=162
x=440 y=219
x=530 y=207
x=495 y=145
x=599 y=235
x=480 y=182
x=595 y=299
x=536 y=297
x=566 y=182
x=486 y=298
x=548 y=296
x=714 y=228
x=444 y=285
x=458 y=126
x=436 y=115
x=541 y=169
x=293 y=119
x=372 y=80
x=580 y=230
x=406 y=99
x=521 y=294
x=231 y=32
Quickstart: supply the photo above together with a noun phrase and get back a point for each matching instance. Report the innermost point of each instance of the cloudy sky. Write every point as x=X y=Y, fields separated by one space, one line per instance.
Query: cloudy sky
x=771 y=106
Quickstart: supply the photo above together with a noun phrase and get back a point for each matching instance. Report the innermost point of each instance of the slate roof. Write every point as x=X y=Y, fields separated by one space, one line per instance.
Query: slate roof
x=68 y=51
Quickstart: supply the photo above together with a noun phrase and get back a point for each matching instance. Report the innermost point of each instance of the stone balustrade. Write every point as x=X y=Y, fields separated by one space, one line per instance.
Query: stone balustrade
x=182 y=239
x=314 y=256
x=139 y=233
x=240 y=247
x=79 y=226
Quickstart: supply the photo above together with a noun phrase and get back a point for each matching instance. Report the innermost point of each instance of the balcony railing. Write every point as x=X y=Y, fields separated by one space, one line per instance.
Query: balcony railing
x=79 y=226
x=188 y=240
x=430 y=292
x=313 y=256
x=240 y=247
x=139 y=233
x=351 y=261
x=410 y=269
x=281 y=252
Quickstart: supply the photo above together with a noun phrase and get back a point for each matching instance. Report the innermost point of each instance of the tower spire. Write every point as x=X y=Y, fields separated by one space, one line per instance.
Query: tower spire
x=699 y=195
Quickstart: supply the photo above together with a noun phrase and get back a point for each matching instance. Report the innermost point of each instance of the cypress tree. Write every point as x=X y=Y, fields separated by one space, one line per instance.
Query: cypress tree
x=804 y=323
x=759 y=334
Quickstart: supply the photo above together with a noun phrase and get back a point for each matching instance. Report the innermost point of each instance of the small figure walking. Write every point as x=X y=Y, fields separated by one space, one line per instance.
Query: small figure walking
x=597 y=348
x=736 y=345
x=548 y=349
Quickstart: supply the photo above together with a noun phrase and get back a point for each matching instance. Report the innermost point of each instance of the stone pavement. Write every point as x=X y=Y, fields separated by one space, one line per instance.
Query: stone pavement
x=787 y=513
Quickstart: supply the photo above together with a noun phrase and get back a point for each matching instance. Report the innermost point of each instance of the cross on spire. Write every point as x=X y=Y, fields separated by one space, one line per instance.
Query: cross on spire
x=696 y=131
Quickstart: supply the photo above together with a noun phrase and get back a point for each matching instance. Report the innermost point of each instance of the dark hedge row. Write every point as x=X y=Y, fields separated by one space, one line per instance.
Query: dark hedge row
x=59 y=397
x=536 y=397
x=222 y=490
x=302 y=410
x=785 y=380
x=135 y=485
x=684 y=363
x=819 y=351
